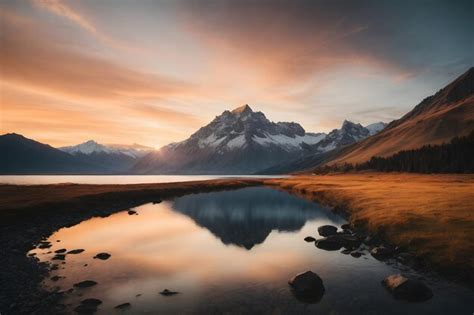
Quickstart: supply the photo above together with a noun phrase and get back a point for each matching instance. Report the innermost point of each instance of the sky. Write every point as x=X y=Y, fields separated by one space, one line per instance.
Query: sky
x=153 y=72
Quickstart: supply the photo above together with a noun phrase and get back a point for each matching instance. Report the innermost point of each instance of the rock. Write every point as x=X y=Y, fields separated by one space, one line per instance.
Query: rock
x=346 y=251
x=75 y=251
x=381 y=252
x=356 y=254
x=327 y=230
x=346 y=226
x=329 y=243
x=307 y=287
x=132 y=212
x=102 y=256
x=44 y=245
x=167 y=292
x=93 y=302
x=407 y=289
x=350 y=241
x=54 y=267
x=85 y=284
x=56 y=278
x=309 y=239
x=123 y=306
x=88 y=306
x=60 y=251
x=59 y=257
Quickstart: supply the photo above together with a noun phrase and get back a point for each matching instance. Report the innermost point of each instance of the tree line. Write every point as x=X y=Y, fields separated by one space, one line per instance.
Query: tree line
x=457 y=156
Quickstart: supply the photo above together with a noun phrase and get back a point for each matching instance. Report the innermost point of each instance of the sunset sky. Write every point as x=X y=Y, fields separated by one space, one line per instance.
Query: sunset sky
x=152 y=72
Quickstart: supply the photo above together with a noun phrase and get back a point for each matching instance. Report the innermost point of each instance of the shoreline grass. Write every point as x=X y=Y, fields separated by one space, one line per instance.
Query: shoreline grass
x=431 y=216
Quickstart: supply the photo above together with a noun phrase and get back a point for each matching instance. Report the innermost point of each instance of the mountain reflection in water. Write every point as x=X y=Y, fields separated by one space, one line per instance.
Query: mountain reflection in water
x=246 y=217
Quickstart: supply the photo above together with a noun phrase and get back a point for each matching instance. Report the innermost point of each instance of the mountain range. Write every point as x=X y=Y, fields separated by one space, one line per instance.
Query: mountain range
x=243 y=141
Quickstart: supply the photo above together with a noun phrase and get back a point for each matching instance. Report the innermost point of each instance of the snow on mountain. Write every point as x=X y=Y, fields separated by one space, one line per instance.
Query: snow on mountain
x=376 y=127
x=349 y=133
x=237 y=141
x=92 y=147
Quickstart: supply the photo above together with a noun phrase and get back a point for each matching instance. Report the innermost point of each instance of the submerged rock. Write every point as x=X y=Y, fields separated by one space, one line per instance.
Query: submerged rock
x=132 y=212
x=60 y=251
x=307 y=287
x=407 y=289
x=309 y=239
x=102 y=256
x=75 y=251
x=85 y=284
x=327 y=230
x=88 y=306
x=381 y=252
x=123 y=306
x=167 y=292
x=44 y=245
x=59 y=257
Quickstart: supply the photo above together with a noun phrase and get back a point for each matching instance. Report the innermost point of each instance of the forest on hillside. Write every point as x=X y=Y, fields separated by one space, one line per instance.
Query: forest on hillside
x=457 y=156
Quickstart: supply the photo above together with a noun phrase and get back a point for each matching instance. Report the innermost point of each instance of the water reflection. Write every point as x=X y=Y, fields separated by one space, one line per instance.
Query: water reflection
x=197 y=245
x=246 y=217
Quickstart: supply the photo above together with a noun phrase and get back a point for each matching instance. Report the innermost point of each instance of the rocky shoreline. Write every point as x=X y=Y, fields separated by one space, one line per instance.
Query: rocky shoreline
x=25 y=228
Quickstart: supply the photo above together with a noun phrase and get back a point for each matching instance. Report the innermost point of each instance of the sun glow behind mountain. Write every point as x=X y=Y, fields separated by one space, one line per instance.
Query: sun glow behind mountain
x=74 y=71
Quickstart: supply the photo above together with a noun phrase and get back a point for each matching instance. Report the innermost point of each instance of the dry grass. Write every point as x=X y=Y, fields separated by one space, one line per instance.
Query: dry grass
x=431 y=215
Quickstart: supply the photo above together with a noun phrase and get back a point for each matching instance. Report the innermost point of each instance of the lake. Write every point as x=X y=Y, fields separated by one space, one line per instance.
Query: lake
x=228 y=252
x=114 y=179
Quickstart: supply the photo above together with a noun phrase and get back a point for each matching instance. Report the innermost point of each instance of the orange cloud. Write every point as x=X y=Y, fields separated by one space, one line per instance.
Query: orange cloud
x=27 y=59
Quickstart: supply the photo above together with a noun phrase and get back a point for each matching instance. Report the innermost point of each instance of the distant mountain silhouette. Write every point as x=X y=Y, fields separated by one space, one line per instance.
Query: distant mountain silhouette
x=21 y=155
x=246 y=217
x=108 y=158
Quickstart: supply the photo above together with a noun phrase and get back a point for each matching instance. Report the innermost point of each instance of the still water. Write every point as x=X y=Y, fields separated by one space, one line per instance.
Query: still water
x=228 y=252
x=114 y=179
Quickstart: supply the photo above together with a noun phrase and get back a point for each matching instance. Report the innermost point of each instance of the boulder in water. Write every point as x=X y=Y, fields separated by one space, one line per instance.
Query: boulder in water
x=407 y=289
x=327 y=230
x=307 y=287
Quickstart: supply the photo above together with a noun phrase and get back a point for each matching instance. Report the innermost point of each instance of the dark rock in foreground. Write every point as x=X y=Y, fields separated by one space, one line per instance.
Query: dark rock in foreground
x=381 y=252
x=346 y=226
x=329 y=243
x=102 y=256
x=59 y=257
x=75 y=251
x=307 y=287
x=132 y=212
x=85 y=284
x=88 y=306
x=167 y=292
x=60 y=251
x=94 y=302
x=123 y=306
x=327 y=230
x=407 y=289
x=309 y=239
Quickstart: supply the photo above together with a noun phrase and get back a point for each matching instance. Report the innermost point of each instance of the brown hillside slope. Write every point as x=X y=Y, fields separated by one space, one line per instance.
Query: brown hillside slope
x=437 y=119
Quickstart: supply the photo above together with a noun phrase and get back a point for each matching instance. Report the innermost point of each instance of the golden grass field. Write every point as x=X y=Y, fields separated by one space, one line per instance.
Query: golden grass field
x=431 y=215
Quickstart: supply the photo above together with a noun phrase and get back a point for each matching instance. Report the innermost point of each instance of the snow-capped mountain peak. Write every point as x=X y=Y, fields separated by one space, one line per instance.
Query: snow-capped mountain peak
x=243 y=127
x=376 y=127
x=240 y=141
x=92 y=147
